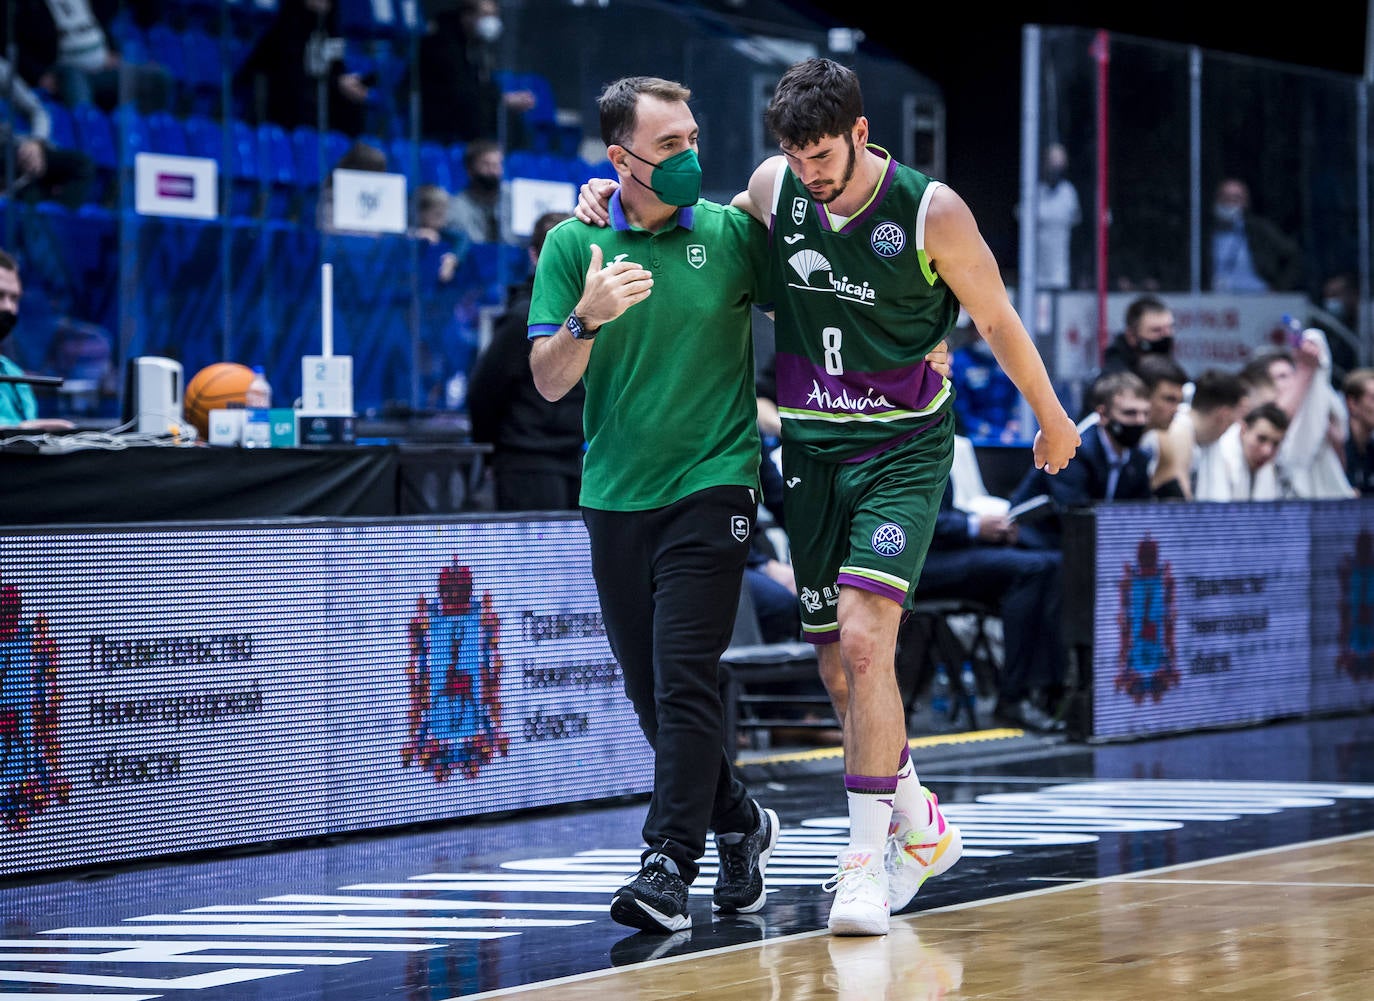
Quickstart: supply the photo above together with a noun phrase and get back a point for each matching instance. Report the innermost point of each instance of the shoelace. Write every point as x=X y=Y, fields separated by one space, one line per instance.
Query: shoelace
x=657 y=877
x=849 y=876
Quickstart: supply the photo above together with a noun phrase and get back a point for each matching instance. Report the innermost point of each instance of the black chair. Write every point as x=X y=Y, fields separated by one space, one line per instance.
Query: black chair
x=927 y=640
x=759 y=680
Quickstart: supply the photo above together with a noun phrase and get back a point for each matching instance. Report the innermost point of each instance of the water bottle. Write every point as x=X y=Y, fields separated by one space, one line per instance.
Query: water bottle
x=259 y=394
x=939 y=692
x=969 y=682
x=257 y=426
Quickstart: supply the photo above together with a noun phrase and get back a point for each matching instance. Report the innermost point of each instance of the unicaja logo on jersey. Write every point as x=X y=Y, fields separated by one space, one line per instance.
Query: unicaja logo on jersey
x=888 y=239
x=888 y=539
x=808 y=263
x=799 y=210
x=696 y=255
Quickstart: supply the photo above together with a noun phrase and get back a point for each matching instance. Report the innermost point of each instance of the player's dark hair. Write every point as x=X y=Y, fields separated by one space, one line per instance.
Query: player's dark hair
x=815 y=99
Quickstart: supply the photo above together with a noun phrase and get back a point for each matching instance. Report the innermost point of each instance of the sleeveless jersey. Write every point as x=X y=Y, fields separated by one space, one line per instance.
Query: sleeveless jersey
x=857 y=310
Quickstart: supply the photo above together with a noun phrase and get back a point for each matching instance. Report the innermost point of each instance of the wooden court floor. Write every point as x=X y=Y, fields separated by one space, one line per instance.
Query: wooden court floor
x=1272 y=925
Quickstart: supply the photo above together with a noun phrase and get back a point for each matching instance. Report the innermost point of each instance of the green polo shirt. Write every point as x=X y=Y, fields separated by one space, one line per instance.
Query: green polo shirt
x=670 y=383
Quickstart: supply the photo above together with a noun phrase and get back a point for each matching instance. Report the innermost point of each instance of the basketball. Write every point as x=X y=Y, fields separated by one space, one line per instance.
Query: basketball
x=215 y=387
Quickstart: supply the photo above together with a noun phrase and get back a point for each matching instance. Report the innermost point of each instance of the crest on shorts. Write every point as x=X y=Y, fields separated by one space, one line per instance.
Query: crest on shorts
x=696 y=255
x=454 y=673
x=1147 y=664
x=739 y=527
x=888 y=539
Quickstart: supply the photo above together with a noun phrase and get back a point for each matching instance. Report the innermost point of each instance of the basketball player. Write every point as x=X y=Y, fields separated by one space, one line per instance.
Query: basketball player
x=875 y=260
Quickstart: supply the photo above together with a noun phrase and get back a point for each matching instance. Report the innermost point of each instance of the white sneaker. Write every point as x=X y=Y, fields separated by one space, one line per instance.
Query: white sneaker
x=860 y=888
x=915 y=853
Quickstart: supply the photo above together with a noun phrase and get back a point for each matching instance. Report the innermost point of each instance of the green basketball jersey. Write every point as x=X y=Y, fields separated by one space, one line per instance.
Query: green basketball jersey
x=857 y=310
x=670 y=384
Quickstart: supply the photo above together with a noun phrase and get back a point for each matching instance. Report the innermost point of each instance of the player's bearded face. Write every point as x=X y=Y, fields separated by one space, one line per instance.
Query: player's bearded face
x=827 y=190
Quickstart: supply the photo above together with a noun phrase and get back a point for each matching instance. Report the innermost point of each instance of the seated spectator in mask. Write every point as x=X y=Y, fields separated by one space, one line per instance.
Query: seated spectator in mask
x=478 y=211
x=1245 y=466
x=1109 y=464
x=1149 y=331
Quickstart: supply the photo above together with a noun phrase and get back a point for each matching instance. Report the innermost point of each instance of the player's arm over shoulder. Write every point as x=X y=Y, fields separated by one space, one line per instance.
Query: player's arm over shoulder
x=757 y=199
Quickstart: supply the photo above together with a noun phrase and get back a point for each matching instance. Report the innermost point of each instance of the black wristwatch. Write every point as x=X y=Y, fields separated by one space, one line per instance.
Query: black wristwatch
x=580 y=330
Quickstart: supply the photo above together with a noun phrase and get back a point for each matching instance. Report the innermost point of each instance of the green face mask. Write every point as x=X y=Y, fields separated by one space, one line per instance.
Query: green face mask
x=677 y=180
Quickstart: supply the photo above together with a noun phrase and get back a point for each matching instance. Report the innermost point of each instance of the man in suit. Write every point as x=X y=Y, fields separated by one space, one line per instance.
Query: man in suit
x=1109 y=465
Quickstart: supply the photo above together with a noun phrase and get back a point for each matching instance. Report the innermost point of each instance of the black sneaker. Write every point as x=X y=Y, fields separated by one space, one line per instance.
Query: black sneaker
x=739 y=885
x=655 y=900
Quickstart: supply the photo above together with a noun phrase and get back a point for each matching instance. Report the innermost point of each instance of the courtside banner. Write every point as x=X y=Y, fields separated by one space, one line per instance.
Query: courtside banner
x=1342 y=606
x=1202 y=615
x=177 y=689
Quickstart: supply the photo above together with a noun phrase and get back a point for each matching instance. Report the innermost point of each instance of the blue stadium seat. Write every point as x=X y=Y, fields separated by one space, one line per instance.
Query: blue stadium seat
x=166 y=134
x=399 y=153
x=95 y=134
x=165 y=46
x=434 y=165
x=456 y=171
x=277 y=168
x=204 y=137
x=63 y=128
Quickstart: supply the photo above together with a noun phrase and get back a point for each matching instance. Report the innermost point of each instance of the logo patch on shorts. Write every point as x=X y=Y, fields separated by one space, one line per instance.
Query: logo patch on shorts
x=888 y=539
x=739 y=527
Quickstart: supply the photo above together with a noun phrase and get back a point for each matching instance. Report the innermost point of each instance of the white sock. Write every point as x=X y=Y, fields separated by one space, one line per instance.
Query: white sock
x=908 y=799
x=870 y=814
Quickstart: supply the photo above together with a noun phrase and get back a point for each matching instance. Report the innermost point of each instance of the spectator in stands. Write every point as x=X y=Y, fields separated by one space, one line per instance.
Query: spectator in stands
x=976 y=557
x=1057 y=213
x=986 y=401
x=1359 y=443
x=1310 y=462
x=278 y=80
x=1245 y=252
x=461 y=98
x=479 y=211
x=360 y=156
x=537 y=445
x=1190 y=443
x=42 y=170
x=1109 y=464
x=1245 y=459
x=18 y=406
x=432 y=205
x=66 y=50
x=1149 y=330
x=1165 y=381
